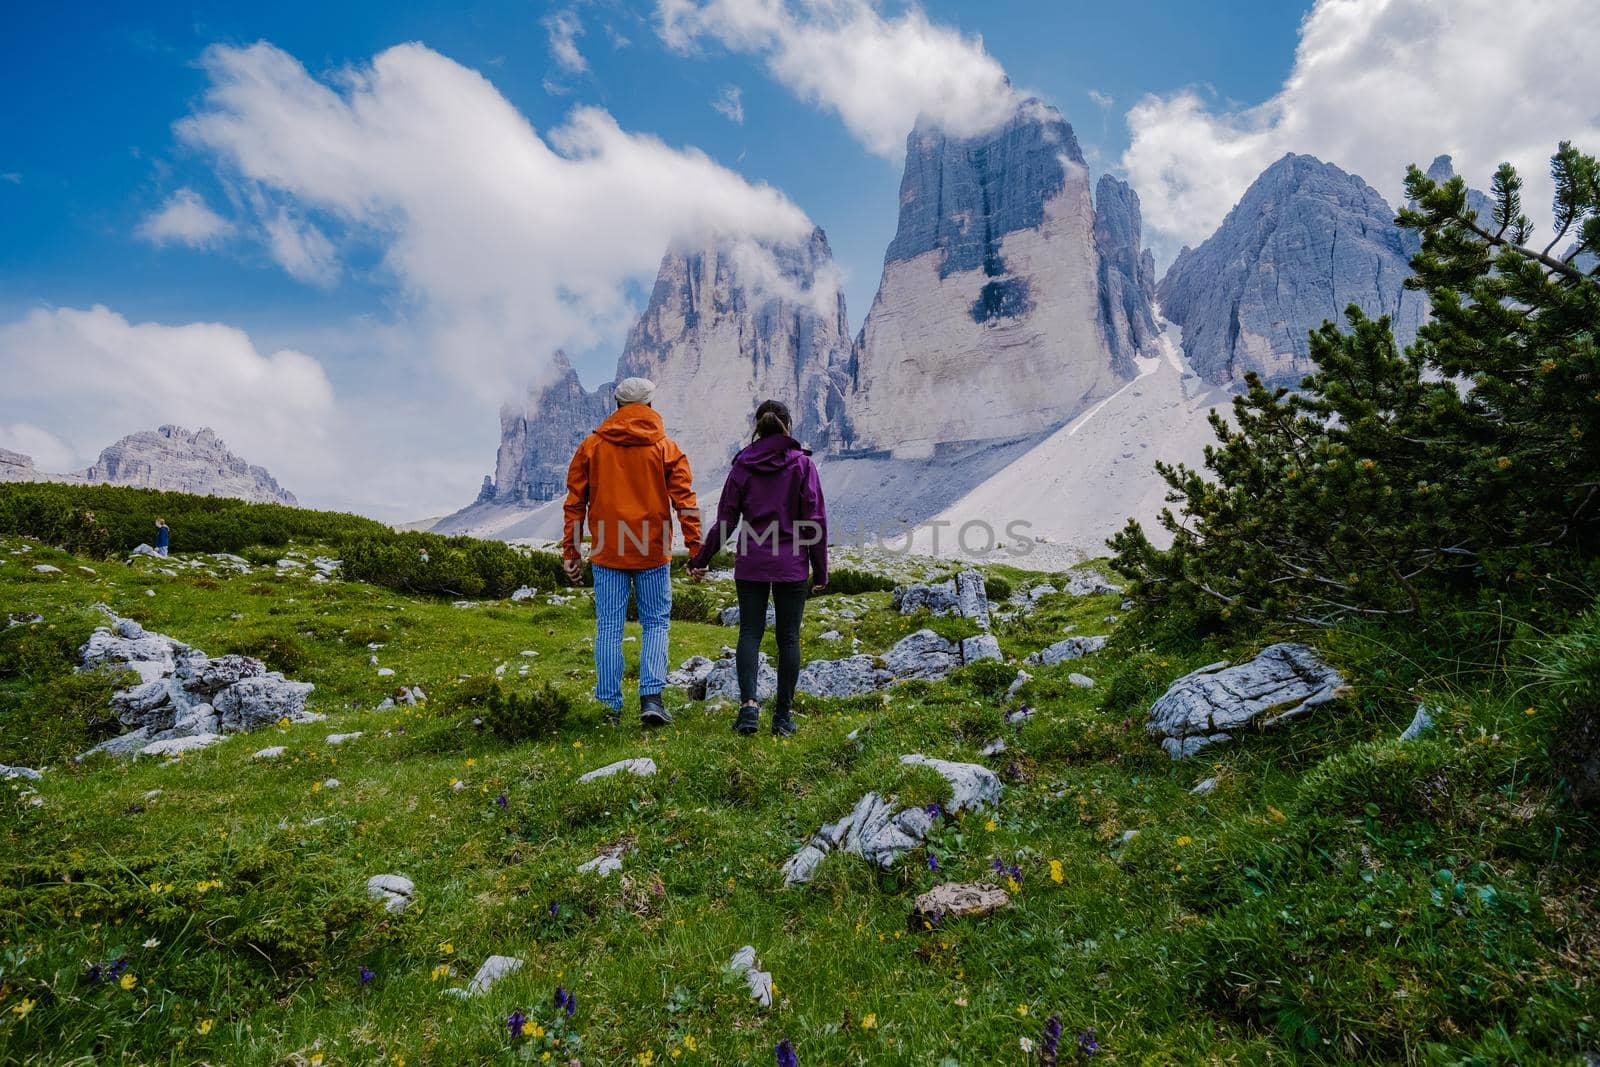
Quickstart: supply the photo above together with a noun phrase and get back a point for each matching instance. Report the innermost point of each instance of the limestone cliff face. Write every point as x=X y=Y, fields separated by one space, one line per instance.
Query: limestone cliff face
x=727 y=326
x=988 y=322
x=1305 y=241
x=179 y=461
x=1127 y=274
x=537 y=440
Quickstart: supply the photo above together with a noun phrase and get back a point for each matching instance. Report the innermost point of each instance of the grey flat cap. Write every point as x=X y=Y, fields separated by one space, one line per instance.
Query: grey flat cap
x=635 y=391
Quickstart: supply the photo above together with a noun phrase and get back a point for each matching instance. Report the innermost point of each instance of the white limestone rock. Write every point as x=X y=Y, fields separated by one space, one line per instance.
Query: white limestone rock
x=642 y=767
x=1207 y=706
x=395 y=891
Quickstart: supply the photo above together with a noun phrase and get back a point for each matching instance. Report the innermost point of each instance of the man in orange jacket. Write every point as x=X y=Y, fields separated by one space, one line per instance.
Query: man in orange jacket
x=626 y=479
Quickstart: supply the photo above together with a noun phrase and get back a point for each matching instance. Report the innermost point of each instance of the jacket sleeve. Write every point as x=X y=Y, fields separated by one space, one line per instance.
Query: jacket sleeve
x=680 y=488
x=729 y=506
x=815 y=509
x=577 y=502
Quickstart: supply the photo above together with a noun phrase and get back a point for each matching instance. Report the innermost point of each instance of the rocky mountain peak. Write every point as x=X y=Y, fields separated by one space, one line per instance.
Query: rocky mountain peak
x=1306 y=240
x=174 y=459
x=988 y=320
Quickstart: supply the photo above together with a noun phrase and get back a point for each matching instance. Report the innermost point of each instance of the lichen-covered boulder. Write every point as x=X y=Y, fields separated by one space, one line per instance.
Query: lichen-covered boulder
x=1069 y=649
x=846 y=677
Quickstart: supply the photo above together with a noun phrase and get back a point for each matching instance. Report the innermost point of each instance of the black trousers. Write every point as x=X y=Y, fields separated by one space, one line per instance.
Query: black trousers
x=789 y=604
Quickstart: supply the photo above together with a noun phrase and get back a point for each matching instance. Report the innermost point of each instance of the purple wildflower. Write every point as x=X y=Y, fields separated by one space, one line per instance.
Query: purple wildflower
x=1050 y=1042
x=934 y=810
x=366 y=975
x=1087 y=1045
x=997 y=864
x=566 y=1001
x=1016 y=873
x=785 y=1053
x=118 y=967
x=514 y=1023
x=502 y=801
x=95 y=972
x=933 y=862
x=555 y=910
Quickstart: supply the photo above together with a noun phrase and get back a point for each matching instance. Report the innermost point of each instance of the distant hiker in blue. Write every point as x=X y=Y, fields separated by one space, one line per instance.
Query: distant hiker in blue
x=163 y=537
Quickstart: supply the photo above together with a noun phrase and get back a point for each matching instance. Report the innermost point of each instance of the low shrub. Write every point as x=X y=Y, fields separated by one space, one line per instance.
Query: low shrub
x=693 y=603
x=847 y=581
x=996 y=587
x=528 y=716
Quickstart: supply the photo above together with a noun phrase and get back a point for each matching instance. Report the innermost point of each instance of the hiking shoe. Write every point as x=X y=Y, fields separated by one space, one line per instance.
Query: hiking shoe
x=782 y=724
x=653 y=710
x=613 y=716
x=749 y=719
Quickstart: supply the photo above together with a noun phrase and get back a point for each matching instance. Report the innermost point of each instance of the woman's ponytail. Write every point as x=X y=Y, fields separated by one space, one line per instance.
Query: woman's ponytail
x=772 y=417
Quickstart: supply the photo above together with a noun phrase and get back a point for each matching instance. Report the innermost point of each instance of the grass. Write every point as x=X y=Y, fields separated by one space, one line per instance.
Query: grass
x=1339 y=896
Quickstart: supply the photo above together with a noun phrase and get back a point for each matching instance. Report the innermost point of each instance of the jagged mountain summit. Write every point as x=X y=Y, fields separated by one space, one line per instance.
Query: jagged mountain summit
x=727 y=325
x=1006 y=306
x=176 y=460
x=1306 y=240
x=169 y=458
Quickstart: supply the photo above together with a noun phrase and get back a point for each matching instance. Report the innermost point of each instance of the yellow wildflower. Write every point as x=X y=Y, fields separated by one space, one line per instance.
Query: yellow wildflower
x=1022 y=1009
x=1185 y=840
x=398 y=1060
x=316 y=1059
x=22 y=1009
x=1013 y=885
x=577 y=744
x=1277 y=816
x=205 y=1026
x=441 y=971
x=1531 y=711
x=447 y=947
x=869 y=1022
x=991 y=826
x=1056 y=875
x=646 y=1058
x=472 y=761
x=690 y=1043
x=129 y=981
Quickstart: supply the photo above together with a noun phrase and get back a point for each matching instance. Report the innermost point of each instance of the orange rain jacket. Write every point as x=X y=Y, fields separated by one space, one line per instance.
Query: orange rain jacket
x=627 y=478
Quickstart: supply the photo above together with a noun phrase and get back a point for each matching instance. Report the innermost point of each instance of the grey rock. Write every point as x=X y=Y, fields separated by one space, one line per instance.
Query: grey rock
x=984 y=646
x=1022 y=679
x=721 y=682
x=8 y=773
x=971 y=786
x=604 y=866
x=395 y=891
x=880 y=834
x=993 y=748
x=830 y=635
x=923 y=654
x=962 y=595
x=642 y=767
x=176 y=746
x=524 y=593
x=1069 y=649
x=729 y=616
x=972 y=602
x=1442 y=169
x=491 y=971
x=173 y=459
x=692 y=670
x=759 y=982
x=1082 y=681
x=959 y=900
x=1305 y=241
x=1205 y=707
x=385 y=672
x=252 y=703
x=23 y=618
x=851 y=676
x=1089 y=584
x=45 y=568
x=1421 y=722
x=270 y=752
x=1204 y=788
x=339 y=739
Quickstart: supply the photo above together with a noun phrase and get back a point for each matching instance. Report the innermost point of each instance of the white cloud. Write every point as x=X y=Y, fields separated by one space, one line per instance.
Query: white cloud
x=729 y=103
x=1101 y=100
x=94 y=377
x=185 y=219
x=302 y=249
x=507 y=245
x=879 y=74
x=564 y=28
x=1378 y=84
x=11 y=176
x=49 y=452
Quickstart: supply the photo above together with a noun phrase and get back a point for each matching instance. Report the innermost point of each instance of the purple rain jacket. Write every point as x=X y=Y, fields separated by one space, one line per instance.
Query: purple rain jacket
x=774 y=490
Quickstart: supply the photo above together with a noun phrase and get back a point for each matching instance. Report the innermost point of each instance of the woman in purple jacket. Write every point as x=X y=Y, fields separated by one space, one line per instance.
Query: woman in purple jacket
x=774 y=491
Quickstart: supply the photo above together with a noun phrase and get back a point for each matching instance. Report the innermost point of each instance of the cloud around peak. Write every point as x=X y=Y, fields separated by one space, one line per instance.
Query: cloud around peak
x=878 y=74
x=1377 y=85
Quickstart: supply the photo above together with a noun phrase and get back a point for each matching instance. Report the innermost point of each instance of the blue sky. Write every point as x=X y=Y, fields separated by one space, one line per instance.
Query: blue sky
x=336 y=298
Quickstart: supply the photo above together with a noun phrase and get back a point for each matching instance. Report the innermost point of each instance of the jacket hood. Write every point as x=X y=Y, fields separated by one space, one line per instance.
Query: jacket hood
x=633 y=424
x=771 y=454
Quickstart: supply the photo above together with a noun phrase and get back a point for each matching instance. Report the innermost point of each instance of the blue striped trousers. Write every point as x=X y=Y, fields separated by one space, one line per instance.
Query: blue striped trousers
x=652 y=590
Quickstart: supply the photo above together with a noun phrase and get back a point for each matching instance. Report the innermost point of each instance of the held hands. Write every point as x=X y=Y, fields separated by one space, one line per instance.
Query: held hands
x=818 y=590
x=699 y=574
x=573 y=569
